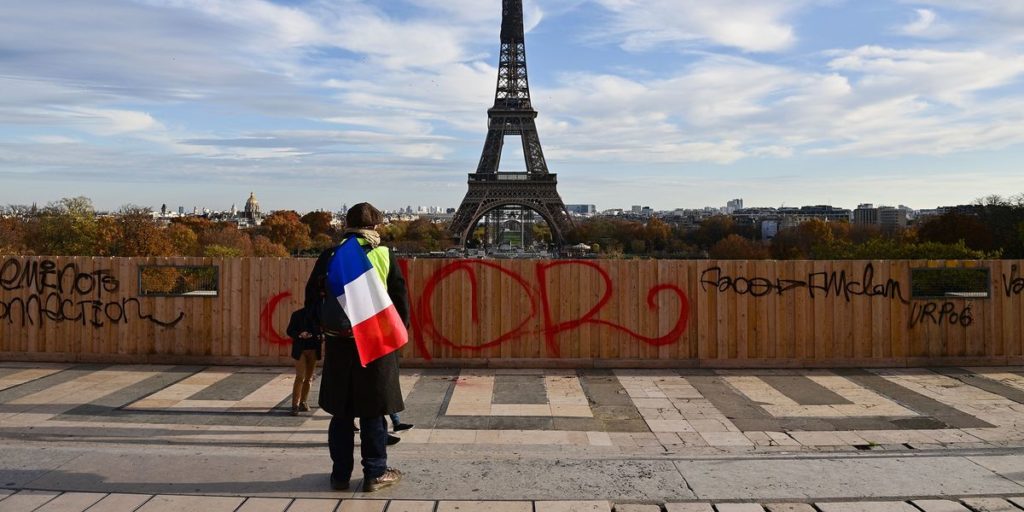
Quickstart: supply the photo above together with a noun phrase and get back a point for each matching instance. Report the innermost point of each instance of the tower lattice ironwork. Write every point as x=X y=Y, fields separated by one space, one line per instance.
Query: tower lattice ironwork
x=512 y=114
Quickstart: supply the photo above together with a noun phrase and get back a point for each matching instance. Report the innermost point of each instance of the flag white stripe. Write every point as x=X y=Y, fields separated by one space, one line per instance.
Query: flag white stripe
x=364 y=297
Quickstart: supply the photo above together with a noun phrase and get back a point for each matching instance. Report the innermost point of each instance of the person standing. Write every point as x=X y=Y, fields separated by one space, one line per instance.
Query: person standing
x=360 y=378
x=306 y=351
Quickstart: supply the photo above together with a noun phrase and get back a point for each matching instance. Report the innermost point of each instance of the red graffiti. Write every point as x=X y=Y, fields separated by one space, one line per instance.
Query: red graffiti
x=267 y=332
x=552 y=329
x=414 y=318
x=425 y=325
x=426 y=311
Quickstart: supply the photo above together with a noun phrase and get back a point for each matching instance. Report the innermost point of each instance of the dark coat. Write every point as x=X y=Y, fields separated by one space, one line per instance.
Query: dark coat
x=346 y=388
x=303 y=320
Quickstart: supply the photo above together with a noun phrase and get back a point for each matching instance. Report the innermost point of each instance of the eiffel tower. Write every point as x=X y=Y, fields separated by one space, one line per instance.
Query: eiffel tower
x=512 y=114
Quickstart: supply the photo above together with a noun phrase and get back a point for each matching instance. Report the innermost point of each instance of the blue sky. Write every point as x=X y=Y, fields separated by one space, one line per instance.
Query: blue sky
x=312 y=104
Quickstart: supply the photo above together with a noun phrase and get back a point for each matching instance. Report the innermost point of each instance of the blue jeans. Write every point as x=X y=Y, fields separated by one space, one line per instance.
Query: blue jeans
x=373 y=436
x=394 y=419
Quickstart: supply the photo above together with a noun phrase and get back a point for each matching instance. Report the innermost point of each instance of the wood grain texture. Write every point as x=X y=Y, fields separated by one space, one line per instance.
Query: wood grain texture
x=597 y=313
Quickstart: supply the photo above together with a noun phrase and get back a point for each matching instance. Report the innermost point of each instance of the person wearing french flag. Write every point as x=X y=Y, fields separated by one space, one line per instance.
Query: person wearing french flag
x=359 y=297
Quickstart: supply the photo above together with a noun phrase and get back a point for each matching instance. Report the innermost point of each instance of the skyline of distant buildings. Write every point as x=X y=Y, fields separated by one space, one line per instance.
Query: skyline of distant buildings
x=766 y=220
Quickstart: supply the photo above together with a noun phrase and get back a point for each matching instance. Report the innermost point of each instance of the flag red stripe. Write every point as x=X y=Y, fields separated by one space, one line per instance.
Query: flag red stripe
x=379 y=335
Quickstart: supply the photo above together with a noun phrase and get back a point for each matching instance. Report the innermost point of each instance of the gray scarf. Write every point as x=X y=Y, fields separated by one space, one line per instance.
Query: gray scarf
x=370 y=235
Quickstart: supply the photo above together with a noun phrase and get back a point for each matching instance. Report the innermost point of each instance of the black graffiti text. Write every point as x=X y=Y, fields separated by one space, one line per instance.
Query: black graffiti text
x=1014 y=283
x=755 y=286
x=41 y=276
x=939 y=314
x=817 y=284
x=37 y=309
x=838 y=284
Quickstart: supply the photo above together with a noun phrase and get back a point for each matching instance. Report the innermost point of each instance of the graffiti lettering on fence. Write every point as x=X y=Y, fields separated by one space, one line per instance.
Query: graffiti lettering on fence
x=838 y=284
x=67 y=294
x=936 y=314
x=537 y=298
x=552 y=329
x=1014 y=283
x=817 y=284
x=42 y=275
x=267 y=332
x=540 y=295
x=35 y=309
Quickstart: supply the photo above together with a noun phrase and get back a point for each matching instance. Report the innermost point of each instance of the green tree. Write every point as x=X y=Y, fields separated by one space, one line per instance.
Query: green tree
x=64 y=228
x=183 y=240
x=736 y=247
x=952 y=227
x=226 y=240
x=138 y=234
x=12 y=236
x=712 y=230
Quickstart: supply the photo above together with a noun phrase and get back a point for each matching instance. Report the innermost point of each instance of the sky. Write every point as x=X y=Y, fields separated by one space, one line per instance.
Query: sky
x=314 y=104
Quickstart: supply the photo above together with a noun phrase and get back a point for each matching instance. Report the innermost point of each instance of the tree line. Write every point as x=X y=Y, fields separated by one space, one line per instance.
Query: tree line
x=991 y=228
x=71 y=227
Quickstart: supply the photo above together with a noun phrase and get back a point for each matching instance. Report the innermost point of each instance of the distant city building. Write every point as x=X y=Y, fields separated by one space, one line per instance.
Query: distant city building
x=732 y=206
x=891 y=219
x=827 y=213
x=865 y=215
x=769 y=229
x=637 y=209
x=583 y=210
x=887 y=218
x=252 y=209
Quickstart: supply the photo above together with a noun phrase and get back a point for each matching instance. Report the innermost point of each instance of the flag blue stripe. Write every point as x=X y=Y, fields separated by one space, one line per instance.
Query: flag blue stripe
x=349 y=263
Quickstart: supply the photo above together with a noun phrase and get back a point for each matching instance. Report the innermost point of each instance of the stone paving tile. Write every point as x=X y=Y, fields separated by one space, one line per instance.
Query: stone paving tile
x=14 y=377
x=989 y=505
x=178 y=503
x=688 y=507
x=599 y=439
x=410 y=506
x=572 y=506
x=265 y=505
x=789 y=507
x=637 y=508
x=72 y=502
x=116 y=502
x=726 y=439
x=739 y=507
x=313 y=505
x=362 y=506
x=583 y=407
x=484 y=506
x=26 y=500
x=1019 y=501
x=866 y=506
x=940 y=506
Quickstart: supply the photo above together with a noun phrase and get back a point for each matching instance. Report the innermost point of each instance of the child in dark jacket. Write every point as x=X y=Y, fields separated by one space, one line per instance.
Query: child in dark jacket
x=307 y=340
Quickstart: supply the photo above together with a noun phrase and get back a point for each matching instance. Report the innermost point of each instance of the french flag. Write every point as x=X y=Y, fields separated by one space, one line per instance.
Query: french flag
x=376 y=325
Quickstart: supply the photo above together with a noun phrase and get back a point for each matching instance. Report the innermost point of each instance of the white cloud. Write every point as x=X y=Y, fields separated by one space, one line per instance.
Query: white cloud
x=749 y=25
x=994 y=21
x=333 y=89
x=945 y=76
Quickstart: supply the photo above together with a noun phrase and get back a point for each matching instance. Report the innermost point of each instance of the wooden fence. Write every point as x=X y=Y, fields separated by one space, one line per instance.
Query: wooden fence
x=639 y=313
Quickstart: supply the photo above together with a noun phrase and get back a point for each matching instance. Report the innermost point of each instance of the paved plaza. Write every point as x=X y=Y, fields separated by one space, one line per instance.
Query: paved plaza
x=125 y=437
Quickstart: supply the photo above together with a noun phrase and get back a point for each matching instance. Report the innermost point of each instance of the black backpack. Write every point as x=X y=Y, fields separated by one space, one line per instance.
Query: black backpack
x=332 y=317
